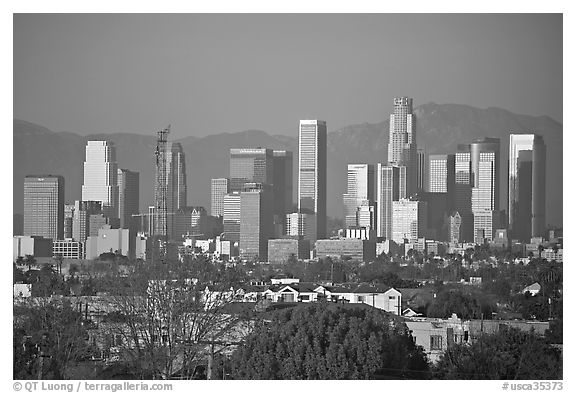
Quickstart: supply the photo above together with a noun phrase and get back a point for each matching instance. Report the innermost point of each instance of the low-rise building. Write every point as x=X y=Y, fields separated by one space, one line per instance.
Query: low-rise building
x=281 y=250
x=353 y=249
x=68 y=249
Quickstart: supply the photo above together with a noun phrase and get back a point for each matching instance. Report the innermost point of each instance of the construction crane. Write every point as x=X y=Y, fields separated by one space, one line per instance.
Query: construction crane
x=161 y=189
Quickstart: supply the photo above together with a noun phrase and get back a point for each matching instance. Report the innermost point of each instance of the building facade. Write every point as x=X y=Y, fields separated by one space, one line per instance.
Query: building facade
x=409 y=220
x=173 y=163
x=402 y=149
x=312 y=172
x=128 y=197
x=44 y=206
x=527 y=186
x=359 y=193
x=387 y=191
x=81 y=219
x=256 y=223
x=281 y=250
x=101 y=177
x=250 y=165
x=219 y=188
x=283 y=187
x=231 y=219
x=301 y=225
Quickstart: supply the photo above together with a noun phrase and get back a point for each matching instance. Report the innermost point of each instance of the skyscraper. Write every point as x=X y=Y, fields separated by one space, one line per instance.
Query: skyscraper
x=283 y=179
x=360 y=192
x=463 y=192
x=219 y=188
x=175 y=187
x=485 y=169
x=387 y=191
x=312 y=171
x=441 y=173
x=409 y=220
x=44 y=206
x=68 y=218
x=527 y=186
x=250 y=165
x=256 y=225
x=83 y=210
x=422 y=173
x=402 y=142
x=101 y=178
x=128 y=196
x=231 y=216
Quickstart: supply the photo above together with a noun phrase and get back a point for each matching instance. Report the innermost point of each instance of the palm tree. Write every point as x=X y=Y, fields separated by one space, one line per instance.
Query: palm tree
x=29 y=261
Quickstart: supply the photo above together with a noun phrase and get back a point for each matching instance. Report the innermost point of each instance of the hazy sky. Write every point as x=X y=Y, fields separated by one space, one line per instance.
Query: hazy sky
x=212 y=73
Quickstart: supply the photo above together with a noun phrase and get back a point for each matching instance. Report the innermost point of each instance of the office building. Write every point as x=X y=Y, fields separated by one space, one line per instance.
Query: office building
x=128 y=197
x=437 y=208
x=301 y=225
x=355 y=250
x=409 y=220
x=83 y=210
x=454 y=224
x=387 y=191
x=282 y=250
x=312 y=172
x=402 y=149
x=283 y=180
x=68 y=220
x=256 y=223
x=175 y=188
x=219 y=188
x=101 y=177
x=115 y=241
x=250 y=165
x=44 y=206
x=422 y=172
x=485 y=169
x=441 y=172
x=37 y=246
x=231 y=218
x=527 y=186
x=463 y=192
x=68 y=249
x=191 y=221
x=360 y=192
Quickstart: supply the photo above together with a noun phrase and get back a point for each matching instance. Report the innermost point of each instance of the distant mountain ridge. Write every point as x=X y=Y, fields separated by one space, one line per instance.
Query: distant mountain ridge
x=440 y=128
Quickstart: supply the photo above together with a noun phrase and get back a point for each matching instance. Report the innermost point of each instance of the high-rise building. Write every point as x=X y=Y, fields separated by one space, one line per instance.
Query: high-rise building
x=463 y=192
x=454 y=222
x=485 y=182
x=219 y=188
x=231 y=217
x=360 y=192
x=421 y=173
x=101 y=177
x=176 y=189
x=387 y=191
x=44 y=206
x=81 y=219
x=250 y=165
x=128 y=196
x=312 y=172
x=402 y=149
x=527 y=186
x=409 y=220
x=301 y=225
x=256 y=223
x=68 y=220
x=441 y=173
x=283 y=179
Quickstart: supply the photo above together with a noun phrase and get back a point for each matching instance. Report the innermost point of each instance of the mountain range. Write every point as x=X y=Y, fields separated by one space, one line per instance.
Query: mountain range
x=440 y=128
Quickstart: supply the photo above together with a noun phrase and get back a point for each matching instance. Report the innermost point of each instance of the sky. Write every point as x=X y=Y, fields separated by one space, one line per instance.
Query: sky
x=212 y=73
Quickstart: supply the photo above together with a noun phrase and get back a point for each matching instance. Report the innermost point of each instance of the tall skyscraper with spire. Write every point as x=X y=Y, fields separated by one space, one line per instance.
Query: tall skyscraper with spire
x=527 y=186
x=176 y=189
x=402 y=142
x=312 y=171
x=101 y=178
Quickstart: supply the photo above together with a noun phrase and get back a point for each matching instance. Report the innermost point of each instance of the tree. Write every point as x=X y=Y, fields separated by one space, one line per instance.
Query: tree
x=167 y=321
x=326 y=341
x=508 y=354
x=48 y=338
x=466 y=306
